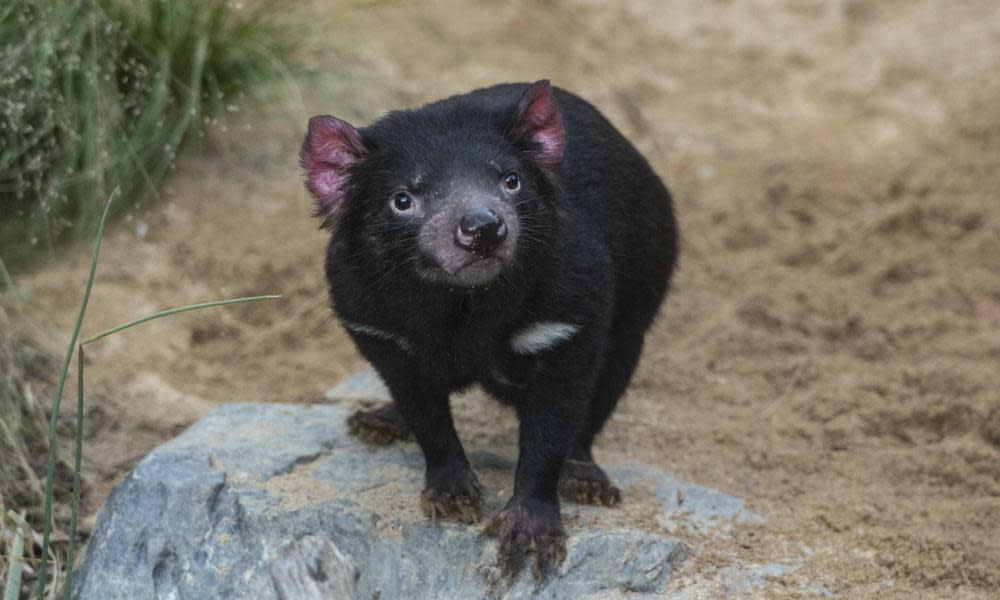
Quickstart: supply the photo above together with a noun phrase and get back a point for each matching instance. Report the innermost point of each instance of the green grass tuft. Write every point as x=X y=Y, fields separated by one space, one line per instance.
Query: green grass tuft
x=100 y=94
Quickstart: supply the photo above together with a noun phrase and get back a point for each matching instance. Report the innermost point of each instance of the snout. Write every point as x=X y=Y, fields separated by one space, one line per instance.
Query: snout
x=471 y=240
x=480 y=231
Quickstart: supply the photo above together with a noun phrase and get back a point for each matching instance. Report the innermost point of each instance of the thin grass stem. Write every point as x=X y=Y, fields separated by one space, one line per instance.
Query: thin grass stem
x=50 y=472
x=77 y=469
x=174 y=311
x=12 y=591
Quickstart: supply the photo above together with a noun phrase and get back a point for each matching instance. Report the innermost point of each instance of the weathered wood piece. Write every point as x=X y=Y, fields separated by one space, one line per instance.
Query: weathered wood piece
x=313 y=568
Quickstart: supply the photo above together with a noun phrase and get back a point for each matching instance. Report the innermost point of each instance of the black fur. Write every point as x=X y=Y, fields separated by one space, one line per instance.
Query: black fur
x=597 y=247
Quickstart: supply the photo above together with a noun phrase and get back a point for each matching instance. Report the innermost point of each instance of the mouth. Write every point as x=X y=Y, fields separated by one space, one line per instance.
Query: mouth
x=477 y=263
x=473 y=272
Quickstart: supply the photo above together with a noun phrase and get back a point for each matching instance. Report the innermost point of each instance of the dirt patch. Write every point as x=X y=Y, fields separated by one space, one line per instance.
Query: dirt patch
x=830 y=348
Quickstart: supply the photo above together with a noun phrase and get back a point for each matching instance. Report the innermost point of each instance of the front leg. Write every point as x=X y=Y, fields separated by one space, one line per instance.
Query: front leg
x=551 y=416
x=452 y=490
x=531 y=521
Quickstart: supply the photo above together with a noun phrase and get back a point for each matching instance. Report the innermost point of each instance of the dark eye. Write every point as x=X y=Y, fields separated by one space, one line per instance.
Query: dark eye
x=511 y=181
x=402 y=202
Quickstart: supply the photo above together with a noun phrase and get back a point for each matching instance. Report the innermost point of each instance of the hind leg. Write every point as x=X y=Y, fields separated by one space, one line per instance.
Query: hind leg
x=582 y=480
x=379 y=426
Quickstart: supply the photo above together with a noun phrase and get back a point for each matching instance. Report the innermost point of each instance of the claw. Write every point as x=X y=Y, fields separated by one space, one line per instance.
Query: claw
x=584 y=482
x=378 y=427
x=457 y=497
x=523 y=531
x=465 y=507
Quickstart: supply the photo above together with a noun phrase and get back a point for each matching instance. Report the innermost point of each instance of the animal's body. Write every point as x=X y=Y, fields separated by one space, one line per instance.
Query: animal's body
x=510 y=237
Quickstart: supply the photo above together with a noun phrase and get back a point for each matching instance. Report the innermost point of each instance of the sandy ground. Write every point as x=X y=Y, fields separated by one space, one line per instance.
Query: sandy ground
x=830 y=351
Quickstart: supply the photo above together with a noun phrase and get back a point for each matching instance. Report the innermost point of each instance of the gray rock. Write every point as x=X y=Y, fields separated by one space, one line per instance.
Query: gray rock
x=365 y=385
x=210 y=513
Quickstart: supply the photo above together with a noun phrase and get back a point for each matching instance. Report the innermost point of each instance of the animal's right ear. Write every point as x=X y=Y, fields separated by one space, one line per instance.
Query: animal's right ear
x=331 y=149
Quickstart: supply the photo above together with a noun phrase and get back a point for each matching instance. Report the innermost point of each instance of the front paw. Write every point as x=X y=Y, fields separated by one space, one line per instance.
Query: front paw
x=453 y=495
x=525 y=527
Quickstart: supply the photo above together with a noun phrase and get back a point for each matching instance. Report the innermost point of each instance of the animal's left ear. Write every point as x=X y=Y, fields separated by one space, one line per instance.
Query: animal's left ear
x=538 y=119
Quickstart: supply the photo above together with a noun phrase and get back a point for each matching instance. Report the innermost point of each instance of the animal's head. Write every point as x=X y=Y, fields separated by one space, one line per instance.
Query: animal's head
x=454 y=194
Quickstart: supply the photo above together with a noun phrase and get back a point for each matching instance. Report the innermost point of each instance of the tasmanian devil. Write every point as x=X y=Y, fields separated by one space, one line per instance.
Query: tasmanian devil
x=510 y=237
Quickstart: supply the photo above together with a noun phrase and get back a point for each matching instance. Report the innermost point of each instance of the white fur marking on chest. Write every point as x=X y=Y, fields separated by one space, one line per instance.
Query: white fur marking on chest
x=542 y=336
x=370 y=331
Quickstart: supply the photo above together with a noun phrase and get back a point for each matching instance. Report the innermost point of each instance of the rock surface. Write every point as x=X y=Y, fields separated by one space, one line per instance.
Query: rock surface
x=210 y=514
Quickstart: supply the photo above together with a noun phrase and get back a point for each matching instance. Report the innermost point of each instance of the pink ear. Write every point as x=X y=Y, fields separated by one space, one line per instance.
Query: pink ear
x=329 y=151
x=538 y=118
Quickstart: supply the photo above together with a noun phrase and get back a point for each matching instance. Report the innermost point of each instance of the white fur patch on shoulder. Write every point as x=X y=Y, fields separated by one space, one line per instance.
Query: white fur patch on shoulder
x=541 y=336
x=370 y=331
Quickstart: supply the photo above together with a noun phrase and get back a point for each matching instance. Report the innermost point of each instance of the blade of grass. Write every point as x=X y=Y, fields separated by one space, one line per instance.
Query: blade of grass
x=50 y=472
x=77 y=469
x=174 y=311
x=13 y=589
x=8 y=282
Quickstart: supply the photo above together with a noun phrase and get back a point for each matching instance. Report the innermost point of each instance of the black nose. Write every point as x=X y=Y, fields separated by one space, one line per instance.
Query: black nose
x=480 y=231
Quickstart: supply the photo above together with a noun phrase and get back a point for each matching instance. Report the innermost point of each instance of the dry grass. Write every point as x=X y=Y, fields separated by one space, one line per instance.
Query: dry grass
x=25 y=377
